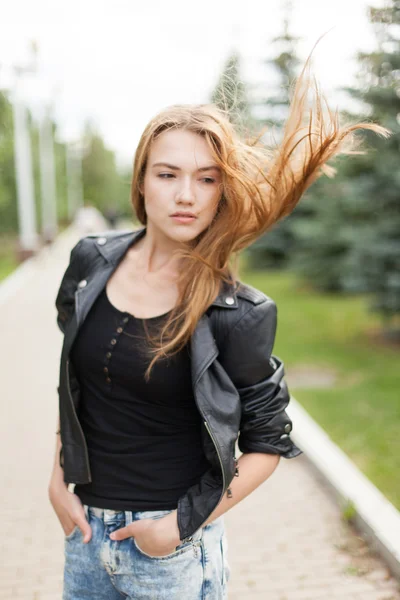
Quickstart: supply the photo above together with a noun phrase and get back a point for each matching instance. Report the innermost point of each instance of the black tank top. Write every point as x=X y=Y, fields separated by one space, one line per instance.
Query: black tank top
x=143 y=438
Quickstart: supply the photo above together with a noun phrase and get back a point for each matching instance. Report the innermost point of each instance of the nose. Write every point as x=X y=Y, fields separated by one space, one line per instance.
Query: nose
x=185 y=193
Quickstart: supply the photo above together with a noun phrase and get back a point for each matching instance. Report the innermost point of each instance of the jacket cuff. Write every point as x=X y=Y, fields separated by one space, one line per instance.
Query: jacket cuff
x=287 y=449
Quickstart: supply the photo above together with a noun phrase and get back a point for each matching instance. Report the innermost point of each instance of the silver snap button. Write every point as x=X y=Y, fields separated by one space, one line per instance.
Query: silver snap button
x=283 y=436
x=229 y=300
x=82 y=283
x=101 y=241
x=288 y=427
x=272 y=363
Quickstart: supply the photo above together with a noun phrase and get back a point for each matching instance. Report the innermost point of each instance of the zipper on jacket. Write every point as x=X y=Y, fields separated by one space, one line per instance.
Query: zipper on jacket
x=229 y=491
x=219 y=456
x=79 y=425
x=236 y=466
x=190 y=538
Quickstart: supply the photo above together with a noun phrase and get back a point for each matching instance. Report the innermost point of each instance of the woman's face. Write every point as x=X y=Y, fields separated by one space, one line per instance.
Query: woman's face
x=181 y=178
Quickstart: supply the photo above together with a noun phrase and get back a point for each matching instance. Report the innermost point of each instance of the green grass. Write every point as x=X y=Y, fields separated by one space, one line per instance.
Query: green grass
x=361 y=413
x=8 y=251
x=8 y=260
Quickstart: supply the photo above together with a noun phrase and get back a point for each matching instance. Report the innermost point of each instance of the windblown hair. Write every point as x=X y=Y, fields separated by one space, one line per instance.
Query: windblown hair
x=260 y=186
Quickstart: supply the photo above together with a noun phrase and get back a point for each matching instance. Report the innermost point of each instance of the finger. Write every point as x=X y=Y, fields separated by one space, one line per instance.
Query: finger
x=85 y=529
x=123 y=533
x=68 y=529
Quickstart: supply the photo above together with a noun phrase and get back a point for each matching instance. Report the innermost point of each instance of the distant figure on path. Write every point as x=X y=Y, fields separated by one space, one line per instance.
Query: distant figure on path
x=89 y=219
x=111 y=214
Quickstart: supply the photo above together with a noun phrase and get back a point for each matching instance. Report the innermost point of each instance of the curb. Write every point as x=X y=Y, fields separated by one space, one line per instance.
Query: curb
x=375 y=517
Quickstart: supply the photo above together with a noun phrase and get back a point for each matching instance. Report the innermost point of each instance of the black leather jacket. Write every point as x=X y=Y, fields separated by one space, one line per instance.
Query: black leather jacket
x=239 y=386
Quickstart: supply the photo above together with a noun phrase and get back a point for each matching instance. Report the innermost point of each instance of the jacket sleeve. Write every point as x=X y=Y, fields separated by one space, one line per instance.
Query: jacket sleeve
x=259 y=378
x=65 y=300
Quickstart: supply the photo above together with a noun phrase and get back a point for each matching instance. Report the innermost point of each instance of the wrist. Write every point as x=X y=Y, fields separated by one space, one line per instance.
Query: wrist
x=57 y=484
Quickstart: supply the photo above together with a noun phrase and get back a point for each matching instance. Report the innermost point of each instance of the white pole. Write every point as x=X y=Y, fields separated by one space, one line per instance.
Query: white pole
x=28 y=237
x=47 y=179
x=74 y=179
x=79 y=178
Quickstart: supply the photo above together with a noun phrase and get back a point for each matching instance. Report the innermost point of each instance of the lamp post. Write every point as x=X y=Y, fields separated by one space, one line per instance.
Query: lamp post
x=47 y=178
x=74 y=152
x=28 y=236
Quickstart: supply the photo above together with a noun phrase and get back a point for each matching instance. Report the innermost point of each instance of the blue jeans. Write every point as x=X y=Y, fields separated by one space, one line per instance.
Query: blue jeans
x=105 y=569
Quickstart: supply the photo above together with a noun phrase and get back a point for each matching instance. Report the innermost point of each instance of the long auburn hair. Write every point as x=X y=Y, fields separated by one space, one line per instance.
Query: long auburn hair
x=260 y=186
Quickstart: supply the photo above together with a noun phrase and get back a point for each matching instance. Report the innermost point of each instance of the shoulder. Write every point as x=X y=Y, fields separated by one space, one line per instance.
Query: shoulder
x=251 y=296
x=253 y=311
x=92 y=249
x=246 y=335
x=94 y=241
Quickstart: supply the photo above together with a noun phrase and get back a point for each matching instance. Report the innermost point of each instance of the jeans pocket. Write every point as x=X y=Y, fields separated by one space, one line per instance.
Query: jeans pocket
x=72 y=534
x=182 y=548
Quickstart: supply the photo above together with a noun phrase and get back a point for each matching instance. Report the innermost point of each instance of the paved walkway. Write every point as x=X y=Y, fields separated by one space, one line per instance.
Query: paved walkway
x=286 y=540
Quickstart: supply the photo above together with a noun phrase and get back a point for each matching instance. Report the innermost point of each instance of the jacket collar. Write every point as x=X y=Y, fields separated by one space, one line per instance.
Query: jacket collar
x=114 y=245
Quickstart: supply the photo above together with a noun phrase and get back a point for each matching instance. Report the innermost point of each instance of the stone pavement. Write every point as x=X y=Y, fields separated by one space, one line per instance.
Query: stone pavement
x=286 y=540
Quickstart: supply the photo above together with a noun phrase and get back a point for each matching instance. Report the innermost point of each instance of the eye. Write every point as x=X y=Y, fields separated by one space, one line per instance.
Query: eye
x=165 y=175
x=208 y=180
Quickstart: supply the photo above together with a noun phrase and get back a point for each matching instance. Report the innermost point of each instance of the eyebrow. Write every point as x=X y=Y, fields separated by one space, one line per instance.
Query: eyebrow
x=174 y=168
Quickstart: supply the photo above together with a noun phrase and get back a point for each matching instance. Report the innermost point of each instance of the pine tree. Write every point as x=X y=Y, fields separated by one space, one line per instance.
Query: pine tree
x=285 y=64
x=376 y=254
x=273 y=249
x=353 y=242
x=230 y=94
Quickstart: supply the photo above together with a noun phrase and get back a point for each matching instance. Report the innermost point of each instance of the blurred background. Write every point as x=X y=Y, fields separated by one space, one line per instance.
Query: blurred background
x=79 y=82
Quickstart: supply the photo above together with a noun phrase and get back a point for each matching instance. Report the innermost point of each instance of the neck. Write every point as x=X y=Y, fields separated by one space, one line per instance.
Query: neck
x=155 y=253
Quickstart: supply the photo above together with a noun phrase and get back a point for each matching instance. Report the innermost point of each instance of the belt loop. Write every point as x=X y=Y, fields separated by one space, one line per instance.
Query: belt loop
x=109 y=515
x=97 y=512
x=128 y=517
x=86 y=509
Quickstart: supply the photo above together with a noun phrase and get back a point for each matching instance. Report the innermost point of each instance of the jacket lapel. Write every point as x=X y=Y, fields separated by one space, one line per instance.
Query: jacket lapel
x=203 y=349
x=113 y=251
x=84 y=299
x=86 y=296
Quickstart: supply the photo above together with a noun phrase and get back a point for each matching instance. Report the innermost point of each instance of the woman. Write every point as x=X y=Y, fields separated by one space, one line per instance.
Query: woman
x=167 y=357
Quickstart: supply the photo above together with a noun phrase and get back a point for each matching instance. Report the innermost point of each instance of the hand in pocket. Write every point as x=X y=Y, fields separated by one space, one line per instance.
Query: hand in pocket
x=70 y=512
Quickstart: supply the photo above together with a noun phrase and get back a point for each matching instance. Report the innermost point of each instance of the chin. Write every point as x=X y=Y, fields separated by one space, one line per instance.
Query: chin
x=183 y=236
x=183 y=233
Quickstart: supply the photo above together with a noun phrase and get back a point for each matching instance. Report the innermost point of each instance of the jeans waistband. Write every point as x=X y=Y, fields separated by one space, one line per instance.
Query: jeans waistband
x=108 y=515
x=104 y=513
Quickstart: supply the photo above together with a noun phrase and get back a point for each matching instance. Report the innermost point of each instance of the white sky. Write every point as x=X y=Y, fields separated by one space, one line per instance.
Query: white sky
x=119 y=62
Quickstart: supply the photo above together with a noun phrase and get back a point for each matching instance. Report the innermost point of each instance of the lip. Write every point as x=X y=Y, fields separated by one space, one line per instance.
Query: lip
x=183 y=219
x=186 y=215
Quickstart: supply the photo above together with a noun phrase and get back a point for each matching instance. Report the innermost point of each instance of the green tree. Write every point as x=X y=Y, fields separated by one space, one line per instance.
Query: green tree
x=353 y=243
x=102 y=184
x=230 y=94
x=377 y=251
x=274 y=249
x=8 y=204
x=284 y=64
